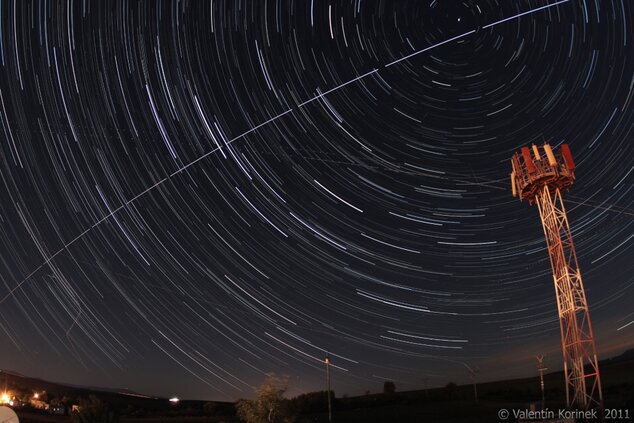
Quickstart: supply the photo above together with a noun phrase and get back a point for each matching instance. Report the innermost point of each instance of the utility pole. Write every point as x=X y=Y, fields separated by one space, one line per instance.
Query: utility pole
x=473 y=373
x=541 y=369
x=474 y=378
x=426 y=383
x=540 y=179
x=328 y=384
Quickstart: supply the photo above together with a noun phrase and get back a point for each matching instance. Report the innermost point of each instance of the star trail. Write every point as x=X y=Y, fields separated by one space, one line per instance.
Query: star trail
x=196 y=193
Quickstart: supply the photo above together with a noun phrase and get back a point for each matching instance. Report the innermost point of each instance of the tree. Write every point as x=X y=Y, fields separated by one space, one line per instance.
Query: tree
x=312 y=402
x=389 y=387
x=93 y=410
x=269 y=406
x=451 y=389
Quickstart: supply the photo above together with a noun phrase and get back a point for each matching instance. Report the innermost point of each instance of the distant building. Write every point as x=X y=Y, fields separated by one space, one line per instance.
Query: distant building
x=57 y=409
x=39 y=404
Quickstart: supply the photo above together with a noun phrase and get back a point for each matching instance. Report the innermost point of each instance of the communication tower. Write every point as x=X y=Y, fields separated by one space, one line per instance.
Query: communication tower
x=540 y=178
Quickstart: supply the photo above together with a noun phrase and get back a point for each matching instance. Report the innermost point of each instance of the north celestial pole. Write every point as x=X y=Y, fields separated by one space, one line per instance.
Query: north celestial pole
x=194 y=194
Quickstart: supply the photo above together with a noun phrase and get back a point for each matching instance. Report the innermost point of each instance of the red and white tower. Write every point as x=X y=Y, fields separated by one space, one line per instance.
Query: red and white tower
x=540 y=178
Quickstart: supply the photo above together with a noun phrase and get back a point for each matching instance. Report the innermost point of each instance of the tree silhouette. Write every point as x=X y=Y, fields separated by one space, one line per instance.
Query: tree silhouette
x=451 y=389
x=93 y=410
x=210 y=408
x=269 y=406
x=389 y=387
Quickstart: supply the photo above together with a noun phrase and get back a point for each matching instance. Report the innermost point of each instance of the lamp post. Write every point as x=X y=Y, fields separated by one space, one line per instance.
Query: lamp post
x=328 y=383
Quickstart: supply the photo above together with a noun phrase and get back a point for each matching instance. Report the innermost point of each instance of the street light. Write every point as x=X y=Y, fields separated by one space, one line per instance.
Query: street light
x=5 y=398
x=328 y=383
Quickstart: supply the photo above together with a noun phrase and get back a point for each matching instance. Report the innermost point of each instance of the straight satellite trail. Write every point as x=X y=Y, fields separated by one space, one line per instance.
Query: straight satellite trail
x=366 y=211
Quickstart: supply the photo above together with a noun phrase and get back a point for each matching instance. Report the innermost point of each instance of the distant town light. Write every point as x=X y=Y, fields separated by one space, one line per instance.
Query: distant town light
x=36 y=395
x=5 y=398
x=174 y=400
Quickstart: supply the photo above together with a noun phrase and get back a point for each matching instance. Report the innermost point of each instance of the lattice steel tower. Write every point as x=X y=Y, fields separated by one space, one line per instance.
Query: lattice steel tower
x=540 y=179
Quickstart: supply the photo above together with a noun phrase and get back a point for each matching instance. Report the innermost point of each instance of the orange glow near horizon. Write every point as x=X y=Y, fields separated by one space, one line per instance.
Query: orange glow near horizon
x=5 y=398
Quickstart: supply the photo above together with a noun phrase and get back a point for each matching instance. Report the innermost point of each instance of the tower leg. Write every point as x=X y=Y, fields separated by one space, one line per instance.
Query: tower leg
x=581 y=367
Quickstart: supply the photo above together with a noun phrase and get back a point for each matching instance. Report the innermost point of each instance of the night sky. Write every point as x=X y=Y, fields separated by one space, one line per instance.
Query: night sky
x=196 y=193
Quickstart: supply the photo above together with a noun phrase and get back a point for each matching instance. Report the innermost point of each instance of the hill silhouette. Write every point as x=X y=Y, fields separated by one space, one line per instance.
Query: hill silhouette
x=435 y=404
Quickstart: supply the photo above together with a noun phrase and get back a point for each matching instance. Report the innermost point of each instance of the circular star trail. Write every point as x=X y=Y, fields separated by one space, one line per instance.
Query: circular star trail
x=196 y=193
